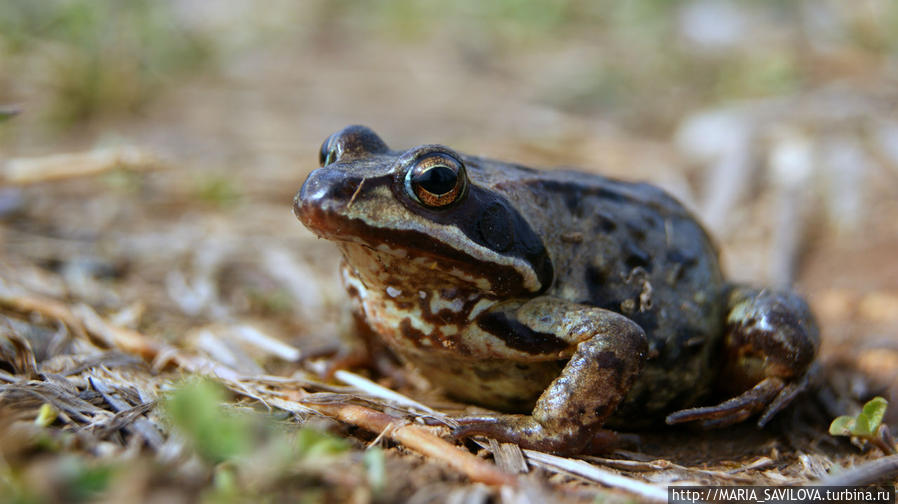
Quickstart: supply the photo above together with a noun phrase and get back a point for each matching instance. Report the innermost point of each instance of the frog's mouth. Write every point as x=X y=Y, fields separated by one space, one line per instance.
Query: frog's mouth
x=406 y=251
x=342 y=207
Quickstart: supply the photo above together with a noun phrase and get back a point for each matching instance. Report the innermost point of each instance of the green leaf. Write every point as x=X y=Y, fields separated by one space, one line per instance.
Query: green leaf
x=82 y=479
x=874 y=411
x=374 y=465
x=862 y=427
x=217 y=433
x=312 y=444
x=225 y=481
x=46 y=416
x=90 y=482
x=841 y=426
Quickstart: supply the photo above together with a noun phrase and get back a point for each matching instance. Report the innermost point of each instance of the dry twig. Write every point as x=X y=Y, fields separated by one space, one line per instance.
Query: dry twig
x=593 y=473
x=881 y=470
x=23 y=171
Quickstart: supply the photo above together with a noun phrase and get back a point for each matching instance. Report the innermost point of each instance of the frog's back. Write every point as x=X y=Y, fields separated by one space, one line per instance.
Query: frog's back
x=633 y=249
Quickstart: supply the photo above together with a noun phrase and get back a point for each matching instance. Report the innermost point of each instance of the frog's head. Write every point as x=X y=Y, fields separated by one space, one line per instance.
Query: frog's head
x=428 y=207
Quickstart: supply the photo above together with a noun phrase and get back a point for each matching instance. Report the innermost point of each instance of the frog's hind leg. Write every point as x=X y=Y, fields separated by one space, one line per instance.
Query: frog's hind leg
x=771 y=341
x=610 y=351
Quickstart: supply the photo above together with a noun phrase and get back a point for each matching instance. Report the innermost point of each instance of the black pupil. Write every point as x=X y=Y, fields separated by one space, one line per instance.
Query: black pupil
x=437 y=180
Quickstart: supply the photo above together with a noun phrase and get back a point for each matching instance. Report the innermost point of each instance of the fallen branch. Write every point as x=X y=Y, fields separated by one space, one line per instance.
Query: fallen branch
x=420 y=440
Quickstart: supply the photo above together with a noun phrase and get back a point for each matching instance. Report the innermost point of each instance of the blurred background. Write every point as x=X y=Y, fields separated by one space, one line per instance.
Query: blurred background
x=774 y=120
x=150 y=150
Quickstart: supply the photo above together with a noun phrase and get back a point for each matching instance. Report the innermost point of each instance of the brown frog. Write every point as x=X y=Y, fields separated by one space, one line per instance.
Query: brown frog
x=583 y=300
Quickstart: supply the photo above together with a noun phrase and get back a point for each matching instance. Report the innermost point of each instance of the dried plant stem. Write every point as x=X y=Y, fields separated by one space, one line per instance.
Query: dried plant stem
x=23 y=171
x=47 y=307
x=648 y=492
x=420 y=440
x=879 y=470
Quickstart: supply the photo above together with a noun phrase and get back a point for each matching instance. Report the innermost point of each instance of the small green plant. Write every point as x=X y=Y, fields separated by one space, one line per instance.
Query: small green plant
x=46 y=415
x=218 y=433
x=313 y=444
x=85 y=480
x=235 y=439
x=376 y=468
x=866 y=426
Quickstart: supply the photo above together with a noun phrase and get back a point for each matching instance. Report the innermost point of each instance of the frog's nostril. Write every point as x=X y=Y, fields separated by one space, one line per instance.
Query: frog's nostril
x=324 y=192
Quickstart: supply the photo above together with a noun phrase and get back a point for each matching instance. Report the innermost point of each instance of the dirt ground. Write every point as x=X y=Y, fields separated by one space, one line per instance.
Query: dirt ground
x=150 y=155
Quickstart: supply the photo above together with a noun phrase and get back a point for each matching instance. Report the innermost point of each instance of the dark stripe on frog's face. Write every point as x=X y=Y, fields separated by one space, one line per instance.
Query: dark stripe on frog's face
x=362 y=197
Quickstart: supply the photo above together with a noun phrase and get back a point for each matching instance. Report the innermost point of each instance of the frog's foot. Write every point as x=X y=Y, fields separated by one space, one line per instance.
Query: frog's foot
x=526 y=432
x=523 y=431
x=339 y=357
x=771 y=340
x=770 y=395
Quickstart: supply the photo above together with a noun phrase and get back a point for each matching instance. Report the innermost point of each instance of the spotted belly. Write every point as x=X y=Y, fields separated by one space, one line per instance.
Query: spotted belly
x=435 y=329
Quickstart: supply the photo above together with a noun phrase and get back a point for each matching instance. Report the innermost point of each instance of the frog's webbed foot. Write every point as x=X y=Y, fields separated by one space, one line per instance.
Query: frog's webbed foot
x=609 y=353
x=770 y=343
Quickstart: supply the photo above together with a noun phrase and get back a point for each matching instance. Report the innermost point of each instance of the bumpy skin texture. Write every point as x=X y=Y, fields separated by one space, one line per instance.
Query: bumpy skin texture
x=583 y=300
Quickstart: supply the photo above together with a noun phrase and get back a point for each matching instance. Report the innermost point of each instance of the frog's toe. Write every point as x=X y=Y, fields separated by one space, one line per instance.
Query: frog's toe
x=524 y=431
x=378 y=360
x=605 y=440
x=519 y=429
x=783 y=398
x=765 y=394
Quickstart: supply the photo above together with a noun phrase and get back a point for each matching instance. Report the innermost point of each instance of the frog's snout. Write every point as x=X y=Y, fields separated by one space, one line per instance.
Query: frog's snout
x=324 y=193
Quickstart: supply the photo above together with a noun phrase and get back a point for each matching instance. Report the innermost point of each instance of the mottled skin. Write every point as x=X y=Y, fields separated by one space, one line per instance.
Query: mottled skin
x=586 y=300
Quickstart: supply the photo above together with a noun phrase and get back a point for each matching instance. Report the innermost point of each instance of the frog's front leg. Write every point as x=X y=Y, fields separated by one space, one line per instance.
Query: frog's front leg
x=610 y=351
x=771 y=341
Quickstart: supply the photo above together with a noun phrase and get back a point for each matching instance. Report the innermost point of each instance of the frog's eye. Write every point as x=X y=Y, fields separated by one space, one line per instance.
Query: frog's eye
x=437 y=180
x=328 y=152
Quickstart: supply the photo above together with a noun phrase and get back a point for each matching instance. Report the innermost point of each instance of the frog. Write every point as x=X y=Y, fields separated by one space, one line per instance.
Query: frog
x=566 y=303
